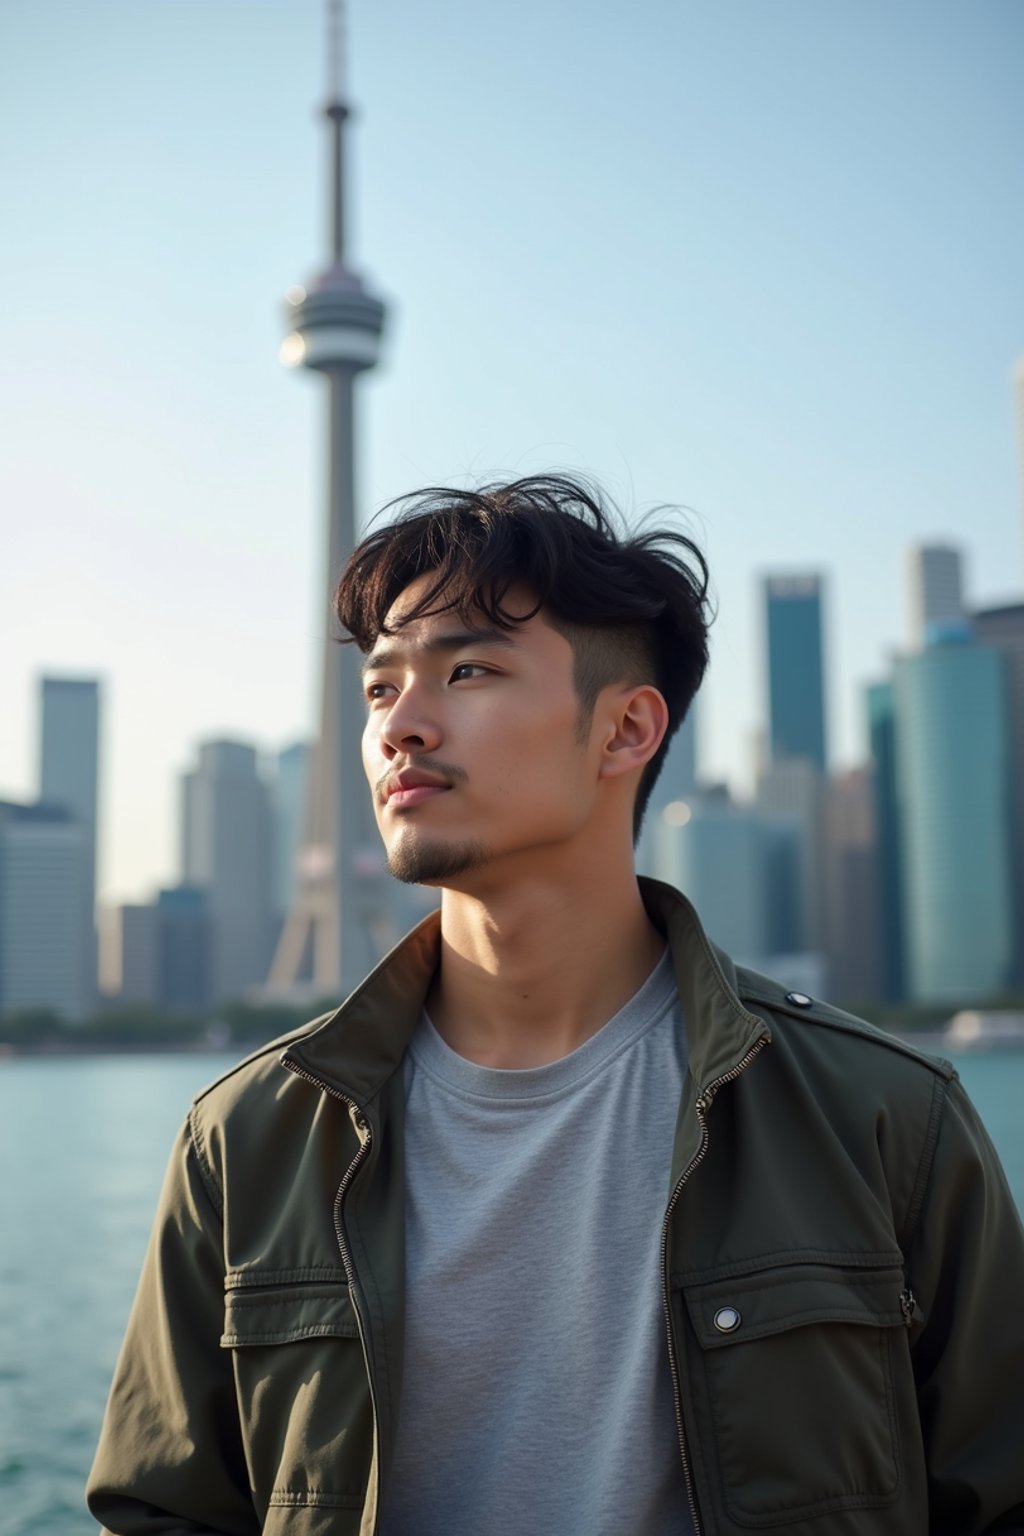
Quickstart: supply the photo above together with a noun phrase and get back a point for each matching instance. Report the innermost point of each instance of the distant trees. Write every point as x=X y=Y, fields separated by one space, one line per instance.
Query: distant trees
x=142 y=1027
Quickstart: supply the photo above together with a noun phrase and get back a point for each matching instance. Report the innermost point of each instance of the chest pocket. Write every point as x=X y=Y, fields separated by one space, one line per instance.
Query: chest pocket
x=794 y=1379
x=303 y=1396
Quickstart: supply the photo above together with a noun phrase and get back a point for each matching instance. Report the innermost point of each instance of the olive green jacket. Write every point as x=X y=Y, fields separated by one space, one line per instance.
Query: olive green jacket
x=843 y=1280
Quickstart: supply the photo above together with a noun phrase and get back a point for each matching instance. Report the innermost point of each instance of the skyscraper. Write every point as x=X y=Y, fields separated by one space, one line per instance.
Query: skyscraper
x=184 y=982
x=789 y=794
x=853 y=929
x=1018 y=392
x=790 y=800
x=676 y=781
x=287 y=801
x=952 y=769
x=226 y=852
x=935 y=589
x=796 y=686
x=46 y=959
x=339 y=922
x=714 y=851
x=129 y=951
x=69 y=776
x=1003 y=630
x=678 y=777
x=882 y=737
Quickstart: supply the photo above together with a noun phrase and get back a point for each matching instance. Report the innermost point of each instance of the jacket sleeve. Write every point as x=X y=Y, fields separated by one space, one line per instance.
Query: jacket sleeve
x=170 y=1456
x=965 y=1266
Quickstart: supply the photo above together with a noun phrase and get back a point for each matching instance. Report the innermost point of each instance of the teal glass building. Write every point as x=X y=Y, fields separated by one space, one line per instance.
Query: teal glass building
x=1003 y=629
x=796 y=685
x=882 y=737
x=953 y=795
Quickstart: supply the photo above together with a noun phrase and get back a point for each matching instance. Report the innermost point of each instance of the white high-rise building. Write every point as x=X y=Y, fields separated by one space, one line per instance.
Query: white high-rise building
x=226 y=851
x=45 y=958
x=935 y=591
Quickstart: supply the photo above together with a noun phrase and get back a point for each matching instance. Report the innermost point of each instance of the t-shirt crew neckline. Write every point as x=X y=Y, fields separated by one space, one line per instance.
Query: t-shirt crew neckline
x=648 y=1005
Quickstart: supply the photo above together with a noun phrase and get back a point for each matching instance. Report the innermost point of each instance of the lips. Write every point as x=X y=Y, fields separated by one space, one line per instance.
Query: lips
x=412 y=788
x=399 y=798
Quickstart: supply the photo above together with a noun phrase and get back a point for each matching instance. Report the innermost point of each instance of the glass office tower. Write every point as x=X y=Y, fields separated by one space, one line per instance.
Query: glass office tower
x=1003 y=630
x=953 y=790
x=796 y=685
x=882 y=736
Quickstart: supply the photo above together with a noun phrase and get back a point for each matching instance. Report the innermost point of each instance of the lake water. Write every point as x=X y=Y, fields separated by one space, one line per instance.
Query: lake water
x=83 y=1143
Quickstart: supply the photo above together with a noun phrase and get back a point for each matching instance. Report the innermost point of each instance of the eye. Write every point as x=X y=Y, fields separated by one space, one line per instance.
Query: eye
x=375 y=691
x=467 y=667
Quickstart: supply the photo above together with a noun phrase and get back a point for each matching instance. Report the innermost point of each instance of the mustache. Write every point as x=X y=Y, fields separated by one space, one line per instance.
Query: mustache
x=450 y=771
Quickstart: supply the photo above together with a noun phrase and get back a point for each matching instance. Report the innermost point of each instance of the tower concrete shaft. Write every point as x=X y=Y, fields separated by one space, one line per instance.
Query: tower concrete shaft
x=340 y=922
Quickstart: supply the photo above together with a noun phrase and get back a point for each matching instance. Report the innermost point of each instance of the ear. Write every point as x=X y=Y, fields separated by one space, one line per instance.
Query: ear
x=635 y=722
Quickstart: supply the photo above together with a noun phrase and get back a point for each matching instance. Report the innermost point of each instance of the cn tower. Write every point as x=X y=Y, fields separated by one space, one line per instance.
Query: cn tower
x=339 y=924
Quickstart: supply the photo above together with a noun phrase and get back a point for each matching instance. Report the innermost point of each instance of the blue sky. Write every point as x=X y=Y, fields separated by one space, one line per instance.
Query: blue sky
x=761 y=259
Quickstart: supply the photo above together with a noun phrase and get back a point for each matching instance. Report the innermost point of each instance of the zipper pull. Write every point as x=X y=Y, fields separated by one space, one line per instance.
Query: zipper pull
x=359 y=1124
x=908 y=1306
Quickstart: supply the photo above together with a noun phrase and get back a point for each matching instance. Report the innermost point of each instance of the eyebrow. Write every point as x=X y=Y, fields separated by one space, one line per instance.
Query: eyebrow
x=455 y=640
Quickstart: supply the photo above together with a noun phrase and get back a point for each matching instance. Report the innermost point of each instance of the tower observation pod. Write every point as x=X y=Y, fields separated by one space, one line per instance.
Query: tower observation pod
x=340 y=922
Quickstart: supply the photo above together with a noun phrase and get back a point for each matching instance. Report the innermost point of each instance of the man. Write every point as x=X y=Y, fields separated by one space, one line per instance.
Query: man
x=562 y=1223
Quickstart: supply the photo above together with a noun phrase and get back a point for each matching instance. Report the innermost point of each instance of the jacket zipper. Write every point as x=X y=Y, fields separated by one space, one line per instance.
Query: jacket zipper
x=362 y=1130
x=702 y=1106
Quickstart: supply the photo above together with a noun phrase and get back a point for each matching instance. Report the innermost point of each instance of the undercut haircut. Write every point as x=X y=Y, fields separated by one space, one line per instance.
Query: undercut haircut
x=633 y=606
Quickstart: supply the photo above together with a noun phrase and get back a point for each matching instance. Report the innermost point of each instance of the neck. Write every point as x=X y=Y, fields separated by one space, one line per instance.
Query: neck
x=531 y=968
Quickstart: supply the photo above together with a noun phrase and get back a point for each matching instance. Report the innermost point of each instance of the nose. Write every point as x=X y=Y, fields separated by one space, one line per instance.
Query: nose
x=409 y=726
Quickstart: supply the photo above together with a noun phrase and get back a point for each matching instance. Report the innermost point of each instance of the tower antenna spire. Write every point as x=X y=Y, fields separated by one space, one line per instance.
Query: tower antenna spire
x=336 y=111
x=335 y=52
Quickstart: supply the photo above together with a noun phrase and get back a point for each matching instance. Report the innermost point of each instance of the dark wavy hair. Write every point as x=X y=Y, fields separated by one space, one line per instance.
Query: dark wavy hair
x=634 y=607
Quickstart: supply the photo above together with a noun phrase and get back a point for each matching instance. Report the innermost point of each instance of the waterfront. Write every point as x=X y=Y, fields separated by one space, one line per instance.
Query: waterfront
x=83 y=1143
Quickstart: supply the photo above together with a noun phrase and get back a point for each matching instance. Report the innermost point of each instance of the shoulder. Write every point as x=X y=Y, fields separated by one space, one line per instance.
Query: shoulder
x=821 y=1045
x=252 y=1073
x=816 y=1024
x=257 y=1108
x=876 y=1092
x=834 y=1080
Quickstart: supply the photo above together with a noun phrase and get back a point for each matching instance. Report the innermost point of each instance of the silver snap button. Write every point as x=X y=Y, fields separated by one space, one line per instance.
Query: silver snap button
x=798 y=999
x=727 y=1319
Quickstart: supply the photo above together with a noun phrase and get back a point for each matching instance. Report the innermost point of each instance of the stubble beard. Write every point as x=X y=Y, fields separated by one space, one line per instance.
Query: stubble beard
x=416 y=863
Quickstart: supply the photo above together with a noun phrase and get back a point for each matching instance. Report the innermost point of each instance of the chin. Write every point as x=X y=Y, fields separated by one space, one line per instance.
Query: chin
x=422 y=863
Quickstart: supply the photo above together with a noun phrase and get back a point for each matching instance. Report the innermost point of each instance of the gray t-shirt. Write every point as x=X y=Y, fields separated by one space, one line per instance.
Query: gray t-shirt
x=537 y=1394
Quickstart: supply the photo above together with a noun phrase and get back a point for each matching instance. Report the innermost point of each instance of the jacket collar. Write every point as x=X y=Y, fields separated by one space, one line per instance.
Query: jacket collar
x=720 y=1031
x=355 y=1051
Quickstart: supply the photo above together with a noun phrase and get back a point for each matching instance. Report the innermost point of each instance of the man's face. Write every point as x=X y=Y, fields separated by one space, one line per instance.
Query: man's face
x=472 y=745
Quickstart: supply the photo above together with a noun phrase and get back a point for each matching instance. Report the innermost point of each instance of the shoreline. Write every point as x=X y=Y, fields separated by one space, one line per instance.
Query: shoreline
x=61 y=1049
x=934 y=1042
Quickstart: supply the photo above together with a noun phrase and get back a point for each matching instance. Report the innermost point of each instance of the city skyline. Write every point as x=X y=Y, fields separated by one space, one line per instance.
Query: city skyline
x=797 y=313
